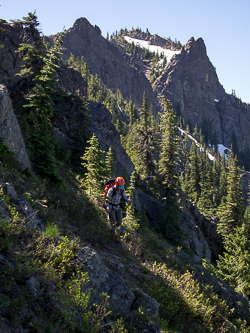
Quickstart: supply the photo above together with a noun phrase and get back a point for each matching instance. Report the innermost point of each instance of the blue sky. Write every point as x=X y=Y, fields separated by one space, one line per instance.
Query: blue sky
x=224 y=26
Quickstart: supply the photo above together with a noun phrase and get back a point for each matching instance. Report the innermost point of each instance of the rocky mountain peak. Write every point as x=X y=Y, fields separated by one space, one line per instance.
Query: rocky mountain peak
x=196 y=48
x=105 y=60
x=83 y=24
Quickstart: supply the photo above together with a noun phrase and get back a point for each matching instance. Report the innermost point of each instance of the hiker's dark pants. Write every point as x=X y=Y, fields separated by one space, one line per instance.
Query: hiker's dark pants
x=115 y=216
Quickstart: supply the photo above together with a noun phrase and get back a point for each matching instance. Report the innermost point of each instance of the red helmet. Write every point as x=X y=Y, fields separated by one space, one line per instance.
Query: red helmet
x=120 y=182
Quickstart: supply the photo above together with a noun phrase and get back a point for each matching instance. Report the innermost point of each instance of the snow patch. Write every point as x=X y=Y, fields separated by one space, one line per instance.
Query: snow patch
x=222 y=149
x=152 y=48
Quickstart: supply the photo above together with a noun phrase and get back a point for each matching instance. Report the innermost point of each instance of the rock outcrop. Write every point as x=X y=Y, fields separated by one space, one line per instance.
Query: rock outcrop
x=30 y=218
x=200 y=229
x=233 y=299
x=102 y=280
x=10 y=130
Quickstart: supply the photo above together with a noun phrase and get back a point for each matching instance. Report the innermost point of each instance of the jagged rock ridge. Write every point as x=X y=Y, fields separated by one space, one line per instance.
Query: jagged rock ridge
x=190 y=81
x=105 y=60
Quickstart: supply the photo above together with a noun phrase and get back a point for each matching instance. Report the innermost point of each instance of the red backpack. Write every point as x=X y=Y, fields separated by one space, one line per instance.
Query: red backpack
x=108 y=183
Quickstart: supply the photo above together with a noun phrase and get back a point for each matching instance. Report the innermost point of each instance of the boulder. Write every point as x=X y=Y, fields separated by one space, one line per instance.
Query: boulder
x=103 y=280
x=9 y=189
x=34 y=285
x=31 y=218
x=147 y=304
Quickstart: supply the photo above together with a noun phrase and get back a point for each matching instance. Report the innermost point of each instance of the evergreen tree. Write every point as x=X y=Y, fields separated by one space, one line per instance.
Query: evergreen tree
x=132 y=112
x=185 y=175
x=131 y=220
x=194 y=180
x=32 y=50
x=155 y=133
x=168 y=170
x=95 y=169
x=231 y=212
x=195 y=132
x=145 y=142
x=109 y=163
x=234 y=265
x=40 y=112
x=205 y=203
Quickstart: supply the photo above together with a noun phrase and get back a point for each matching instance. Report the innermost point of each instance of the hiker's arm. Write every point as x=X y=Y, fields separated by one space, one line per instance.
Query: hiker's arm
x=125 y=197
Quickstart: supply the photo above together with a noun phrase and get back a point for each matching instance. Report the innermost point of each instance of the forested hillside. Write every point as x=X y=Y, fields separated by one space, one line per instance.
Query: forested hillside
x=180 y=260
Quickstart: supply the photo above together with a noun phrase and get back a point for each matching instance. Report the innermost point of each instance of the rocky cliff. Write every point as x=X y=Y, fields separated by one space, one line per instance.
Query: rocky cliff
x=105 y=60
x=191 y=83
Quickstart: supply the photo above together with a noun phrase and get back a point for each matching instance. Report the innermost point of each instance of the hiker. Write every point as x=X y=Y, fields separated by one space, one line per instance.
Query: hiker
x=116 y=193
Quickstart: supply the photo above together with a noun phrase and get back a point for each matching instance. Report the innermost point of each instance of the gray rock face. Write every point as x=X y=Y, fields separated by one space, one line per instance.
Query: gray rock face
x=71 y=81
x=153 y=208
x=200 y=229
x=105 y=60
x=70 y=121
x=10 y=130
x=101 y=125
x=190 y=80
x=10 y=62
x=196 y=240
x=192 y=226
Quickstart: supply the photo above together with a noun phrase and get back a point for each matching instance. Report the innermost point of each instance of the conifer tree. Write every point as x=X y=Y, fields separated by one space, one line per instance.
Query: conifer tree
x=132 y=112
x=40 y=112
x=131 y=220
x=95 y=169
x=32 y=50
x=168 y=169
x=194 y=180
x=184 y=179
x=109 y=163
x=145 y=142
x=234 y=265
x=231 y=212
x=216 y=172
x=205 y=203
x=155 y=133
